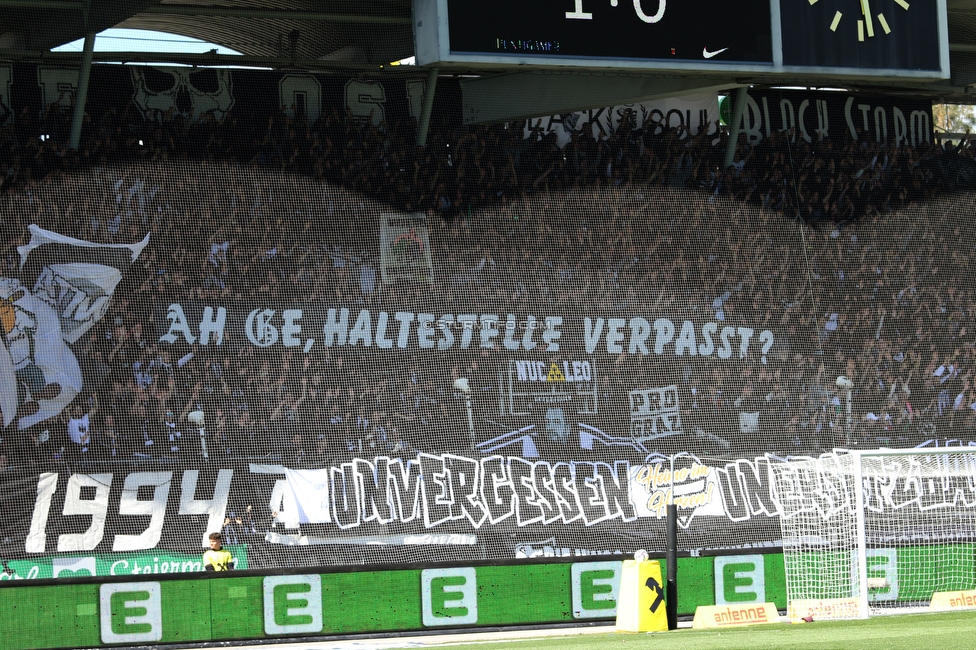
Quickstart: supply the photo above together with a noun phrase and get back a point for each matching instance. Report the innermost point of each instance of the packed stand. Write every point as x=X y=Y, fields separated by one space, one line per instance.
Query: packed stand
x=642 y=223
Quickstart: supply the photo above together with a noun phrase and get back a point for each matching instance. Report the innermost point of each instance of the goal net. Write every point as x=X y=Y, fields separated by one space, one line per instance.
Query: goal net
x=907 y=533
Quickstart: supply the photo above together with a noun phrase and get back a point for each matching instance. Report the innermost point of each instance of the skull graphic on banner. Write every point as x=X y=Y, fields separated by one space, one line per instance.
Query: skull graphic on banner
x=188 y=92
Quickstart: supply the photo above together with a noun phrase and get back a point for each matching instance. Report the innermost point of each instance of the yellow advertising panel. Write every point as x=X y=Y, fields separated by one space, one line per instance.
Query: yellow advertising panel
x=943 y=601
x=641 y=606
x=710 y=616
x=824 y=609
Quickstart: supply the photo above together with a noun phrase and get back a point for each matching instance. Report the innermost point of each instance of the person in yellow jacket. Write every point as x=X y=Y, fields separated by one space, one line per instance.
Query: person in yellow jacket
x=217 y=559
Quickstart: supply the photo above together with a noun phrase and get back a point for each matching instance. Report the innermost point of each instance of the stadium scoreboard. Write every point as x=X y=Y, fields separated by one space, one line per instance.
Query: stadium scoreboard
x=836 y=38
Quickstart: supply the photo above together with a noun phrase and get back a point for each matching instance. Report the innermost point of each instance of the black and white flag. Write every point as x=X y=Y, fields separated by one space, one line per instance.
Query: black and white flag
x=65 y=288
x=75 y=277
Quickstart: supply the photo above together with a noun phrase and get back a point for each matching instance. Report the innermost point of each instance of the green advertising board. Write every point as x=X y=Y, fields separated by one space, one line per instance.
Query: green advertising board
x=909 y=574
x=150 y=607
x=115 y=564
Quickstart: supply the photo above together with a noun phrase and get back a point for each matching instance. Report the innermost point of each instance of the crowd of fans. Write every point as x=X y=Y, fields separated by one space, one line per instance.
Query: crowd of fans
x=642 y=224
x=462 y=169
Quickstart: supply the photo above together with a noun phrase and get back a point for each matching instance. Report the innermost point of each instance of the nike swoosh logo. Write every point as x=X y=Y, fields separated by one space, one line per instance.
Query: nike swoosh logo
x=708 y=55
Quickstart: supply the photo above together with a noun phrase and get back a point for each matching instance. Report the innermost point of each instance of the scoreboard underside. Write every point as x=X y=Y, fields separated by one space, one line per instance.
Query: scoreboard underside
x=895 y=39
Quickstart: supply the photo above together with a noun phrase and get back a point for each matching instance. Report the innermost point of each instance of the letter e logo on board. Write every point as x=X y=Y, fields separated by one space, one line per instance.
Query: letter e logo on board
x=449 y=596
x=130 y=612
x=292 y=604
x=740 y=579
x=596 y=586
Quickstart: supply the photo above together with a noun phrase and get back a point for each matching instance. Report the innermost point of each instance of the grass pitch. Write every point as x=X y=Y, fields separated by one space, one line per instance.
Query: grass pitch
x=943 y=631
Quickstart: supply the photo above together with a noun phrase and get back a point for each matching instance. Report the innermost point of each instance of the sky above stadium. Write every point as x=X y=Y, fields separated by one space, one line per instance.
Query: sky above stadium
x=138 y=40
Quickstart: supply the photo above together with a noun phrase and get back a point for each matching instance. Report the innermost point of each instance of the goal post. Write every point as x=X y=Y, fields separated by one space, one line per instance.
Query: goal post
x=876 y=531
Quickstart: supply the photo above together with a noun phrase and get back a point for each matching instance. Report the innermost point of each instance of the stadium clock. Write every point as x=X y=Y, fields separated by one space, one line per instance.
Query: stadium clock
x=885 y=34
x=866 y=19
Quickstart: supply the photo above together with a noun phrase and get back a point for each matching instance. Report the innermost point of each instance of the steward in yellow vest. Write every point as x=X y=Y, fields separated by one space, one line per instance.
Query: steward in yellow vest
x=217 y=559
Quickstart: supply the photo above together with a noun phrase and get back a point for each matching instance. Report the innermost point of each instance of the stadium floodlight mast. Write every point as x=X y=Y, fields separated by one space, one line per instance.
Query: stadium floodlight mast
x=462 y=385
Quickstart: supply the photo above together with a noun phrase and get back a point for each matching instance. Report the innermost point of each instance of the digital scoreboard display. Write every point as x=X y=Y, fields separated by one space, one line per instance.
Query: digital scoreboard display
x=829 y=38
x=713 y=32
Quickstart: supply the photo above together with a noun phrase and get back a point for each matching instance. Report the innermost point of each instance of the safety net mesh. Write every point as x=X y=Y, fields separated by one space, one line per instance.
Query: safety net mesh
x=250 y=303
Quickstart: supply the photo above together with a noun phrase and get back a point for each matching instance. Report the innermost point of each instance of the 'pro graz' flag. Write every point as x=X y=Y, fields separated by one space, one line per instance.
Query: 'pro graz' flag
x=67 y=286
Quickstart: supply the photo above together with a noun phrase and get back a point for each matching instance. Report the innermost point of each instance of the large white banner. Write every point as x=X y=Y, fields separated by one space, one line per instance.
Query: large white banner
x=448 y=499
x=695 y=112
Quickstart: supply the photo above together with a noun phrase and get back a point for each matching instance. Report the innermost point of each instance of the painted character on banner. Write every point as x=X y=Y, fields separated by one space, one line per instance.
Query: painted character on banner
x=39 y=375
x=556 y=425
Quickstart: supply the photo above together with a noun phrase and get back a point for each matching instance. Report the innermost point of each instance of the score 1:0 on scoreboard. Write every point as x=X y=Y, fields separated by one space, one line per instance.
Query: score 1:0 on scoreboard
x=856 y=38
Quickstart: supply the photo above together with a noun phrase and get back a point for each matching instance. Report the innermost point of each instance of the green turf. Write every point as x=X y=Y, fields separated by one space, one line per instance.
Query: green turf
x=944 y=631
